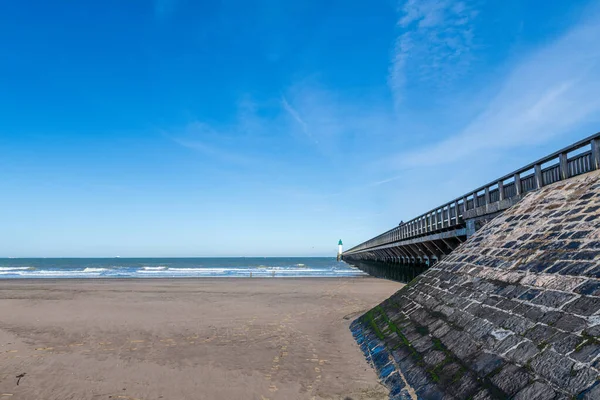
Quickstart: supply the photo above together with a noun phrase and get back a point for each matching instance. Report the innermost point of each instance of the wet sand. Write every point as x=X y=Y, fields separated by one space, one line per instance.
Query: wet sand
x=186 y=339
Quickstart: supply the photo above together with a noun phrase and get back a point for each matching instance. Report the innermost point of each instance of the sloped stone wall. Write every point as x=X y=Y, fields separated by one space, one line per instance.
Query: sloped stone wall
x=512 y=313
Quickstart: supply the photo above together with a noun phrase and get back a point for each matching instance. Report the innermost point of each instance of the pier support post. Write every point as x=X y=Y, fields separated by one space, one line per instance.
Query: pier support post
x=539 y=180
x=564 y=167
x=595 y=154
x=518 y=189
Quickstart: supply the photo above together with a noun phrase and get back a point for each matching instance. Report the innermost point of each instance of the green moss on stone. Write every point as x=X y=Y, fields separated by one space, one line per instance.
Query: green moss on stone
x=422 y=330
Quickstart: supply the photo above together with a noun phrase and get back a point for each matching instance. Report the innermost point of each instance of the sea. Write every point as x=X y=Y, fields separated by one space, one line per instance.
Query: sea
x=269 y=267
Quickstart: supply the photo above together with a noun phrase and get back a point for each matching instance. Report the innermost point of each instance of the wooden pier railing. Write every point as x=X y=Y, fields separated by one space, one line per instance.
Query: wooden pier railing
x=577 y=159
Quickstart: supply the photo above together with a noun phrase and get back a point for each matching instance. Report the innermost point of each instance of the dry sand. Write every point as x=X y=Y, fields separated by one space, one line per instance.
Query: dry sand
x=186 y=339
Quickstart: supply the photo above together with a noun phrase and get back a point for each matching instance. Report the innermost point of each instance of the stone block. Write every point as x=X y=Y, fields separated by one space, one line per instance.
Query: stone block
x=441 y=331
x=593 y=393
x=590 y=288
x=483 y=395
x=550 y=317
x=565 y=283
x=534 y=313
x=465 y=387
x=525 y=351
x=508 y=305
x=581 y=380
x=536 y=391
x=530 y=294
x=586 y=352
x=518 y=324
x=540 y=333
x=511 y=379
x=415 y=375
x=478 y=328
x=564 y=343
x=553 y=367
x=434 y=357
x=485 y=363
x=570 y=323
x=593 y=273
x=552 y=299
x=585 y=306
x=507 y=344
x=422 y=344
x=576 y=268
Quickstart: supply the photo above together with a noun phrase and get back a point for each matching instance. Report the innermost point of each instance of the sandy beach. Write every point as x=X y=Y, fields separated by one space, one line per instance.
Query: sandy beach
x=186 y=339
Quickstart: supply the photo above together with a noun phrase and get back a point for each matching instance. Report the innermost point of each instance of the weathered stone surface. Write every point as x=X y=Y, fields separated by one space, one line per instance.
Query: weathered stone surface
x=514 y=312
x=584 y=306
x=511 y=379
x=592 y=394
x=536 y=391
x=587 y=352
x=570 y=323
x=552 y=299
x=485 y=363
x=523 y=352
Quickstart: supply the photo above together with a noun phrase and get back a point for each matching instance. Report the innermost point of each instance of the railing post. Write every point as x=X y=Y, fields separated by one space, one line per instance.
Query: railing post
x=475 y=205
x=563 y=166
x=501 y=190
x=449 y=216
x=595 y=154
x=464 y=204
x=487 y=195
x=456 y=212
x=518 y=189
x=539 y=182
x=435 y=219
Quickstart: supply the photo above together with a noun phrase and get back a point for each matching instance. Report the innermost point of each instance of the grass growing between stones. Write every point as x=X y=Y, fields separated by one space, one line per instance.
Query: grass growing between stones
x=587 y=339
x=382 y=326
x=369 y=319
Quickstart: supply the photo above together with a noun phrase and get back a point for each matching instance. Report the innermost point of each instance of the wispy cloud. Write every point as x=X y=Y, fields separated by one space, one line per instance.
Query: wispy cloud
x=434 y=42
x=294 y=114
x=548 y=93
x=212 y=143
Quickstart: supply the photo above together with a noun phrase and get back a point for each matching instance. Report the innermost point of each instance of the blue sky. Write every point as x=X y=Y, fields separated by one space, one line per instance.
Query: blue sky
x=263 y=127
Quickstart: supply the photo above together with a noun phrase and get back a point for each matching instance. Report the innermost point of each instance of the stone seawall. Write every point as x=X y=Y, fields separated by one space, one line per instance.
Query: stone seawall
x=513 y=313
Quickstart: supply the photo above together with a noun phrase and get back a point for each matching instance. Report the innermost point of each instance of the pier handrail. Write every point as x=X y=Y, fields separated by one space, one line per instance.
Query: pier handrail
x=530 y=177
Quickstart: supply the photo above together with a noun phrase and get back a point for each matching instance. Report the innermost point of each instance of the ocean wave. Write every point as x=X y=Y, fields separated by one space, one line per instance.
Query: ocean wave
x=291 y=270
x=200 y=270
x=93 y=270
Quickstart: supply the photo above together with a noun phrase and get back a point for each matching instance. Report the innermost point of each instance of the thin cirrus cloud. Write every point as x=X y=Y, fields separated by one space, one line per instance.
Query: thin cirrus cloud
x=434 y=44
x=548 y=93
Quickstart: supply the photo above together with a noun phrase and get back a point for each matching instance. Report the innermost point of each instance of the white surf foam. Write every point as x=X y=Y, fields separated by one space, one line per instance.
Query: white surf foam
x=94 y=270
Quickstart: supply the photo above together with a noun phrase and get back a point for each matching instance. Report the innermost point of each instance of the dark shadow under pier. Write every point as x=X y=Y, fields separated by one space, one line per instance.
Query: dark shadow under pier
x=398 y=272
